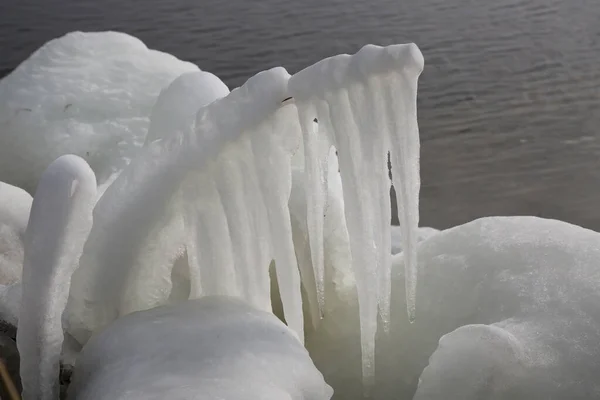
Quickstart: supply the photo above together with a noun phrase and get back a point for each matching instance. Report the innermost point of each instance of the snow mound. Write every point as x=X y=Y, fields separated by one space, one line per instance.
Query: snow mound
x=89 y=94
x=15 y=204
x=536 y=280
x=214 y=347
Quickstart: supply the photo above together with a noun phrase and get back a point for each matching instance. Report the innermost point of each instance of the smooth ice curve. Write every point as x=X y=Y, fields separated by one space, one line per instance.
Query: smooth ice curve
x=59 y=224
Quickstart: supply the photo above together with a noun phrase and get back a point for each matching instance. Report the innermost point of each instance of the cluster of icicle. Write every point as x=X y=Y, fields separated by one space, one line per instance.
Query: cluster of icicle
x=204 y=209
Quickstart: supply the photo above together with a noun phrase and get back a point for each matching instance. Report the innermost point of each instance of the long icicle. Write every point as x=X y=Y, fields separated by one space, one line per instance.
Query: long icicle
x=315 y=196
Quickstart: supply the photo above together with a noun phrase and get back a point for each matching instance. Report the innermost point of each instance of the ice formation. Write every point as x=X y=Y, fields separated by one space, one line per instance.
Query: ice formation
x=214 y=347
x=89 y=94
x=366 y=108
x=210 y=201
x=15 y=204
x=177 y=105
x=226 y=184
x=59 y=224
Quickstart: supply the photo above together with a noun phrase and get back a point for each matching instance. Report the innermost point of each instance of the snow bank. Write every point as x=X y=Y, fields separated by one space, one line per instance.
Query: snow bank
x=59 y=224
x=15 y=204
x=215 y=347
x=89 y=94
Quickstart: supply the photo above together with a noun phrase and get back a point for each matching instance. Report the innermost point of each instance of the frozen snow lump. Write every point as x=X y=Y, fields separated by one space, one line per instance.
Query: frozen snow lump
x=526 y=358
x=532 y=286
x=203 y=349
x=89 y=94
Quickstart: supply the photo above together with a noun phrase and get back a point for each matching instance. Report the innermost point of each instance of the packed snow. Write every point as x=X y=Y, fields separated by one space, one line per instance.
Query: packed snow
x=214 y=347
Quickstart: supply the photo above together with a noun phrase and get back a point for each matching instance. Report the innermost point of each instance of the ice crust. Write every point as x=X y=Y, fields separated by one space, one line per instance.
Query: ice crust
x=214 y=347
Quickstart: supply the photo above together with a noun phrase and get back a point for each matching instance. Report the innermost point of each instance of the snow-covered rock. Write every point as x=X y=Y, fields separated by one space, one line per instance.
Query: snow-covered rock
x=89 y=94
x=214 y=347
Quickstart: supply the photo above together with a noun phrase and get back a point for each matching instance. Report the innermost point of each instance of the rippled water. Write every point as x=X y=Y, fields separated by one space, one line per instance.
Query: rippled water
x=509 y=103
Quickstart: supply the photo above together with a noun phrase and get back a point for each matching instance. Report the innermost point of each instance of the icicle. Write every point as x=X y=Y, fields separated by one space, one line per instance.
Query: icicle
x=259 y=226
x=405 y=174
x=316 y=193
x=273 y=162
x=206 y=212
x=298 y=210
x=344 y=91
x=59 y=224
x=230 y=181
x=380 y=130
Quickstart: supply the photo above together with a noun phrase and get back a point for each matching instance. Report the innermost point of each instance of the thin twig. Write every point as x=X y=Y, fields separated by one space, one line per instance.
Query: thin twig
x=8 y=382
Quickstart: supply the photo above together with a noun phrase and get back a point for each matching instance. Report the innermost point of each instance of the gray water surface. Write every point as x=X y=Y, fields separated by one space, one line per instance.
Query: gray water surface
x=509 y=103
